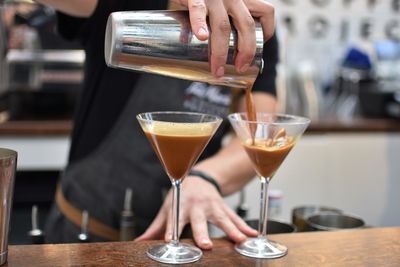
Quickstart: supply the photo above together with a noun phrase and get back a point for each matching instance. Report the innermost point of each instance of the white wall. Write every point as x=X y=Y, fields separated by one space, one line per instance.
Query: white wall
x=38 y=153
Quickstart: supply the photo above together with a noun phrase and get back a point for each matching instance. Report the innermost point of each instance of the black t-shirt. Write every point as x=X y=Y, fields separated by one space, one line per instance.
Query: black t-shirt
x=106 y=90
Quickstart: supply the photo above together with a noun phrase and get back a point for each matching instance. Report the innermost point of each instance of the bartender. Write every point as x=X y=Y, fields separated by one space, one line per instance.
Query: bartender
x=109 y=152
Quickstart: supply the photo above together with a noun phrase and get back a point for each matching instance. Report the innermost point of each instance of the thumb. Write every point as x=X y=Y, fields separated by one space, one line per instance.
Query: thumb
x=156 y=229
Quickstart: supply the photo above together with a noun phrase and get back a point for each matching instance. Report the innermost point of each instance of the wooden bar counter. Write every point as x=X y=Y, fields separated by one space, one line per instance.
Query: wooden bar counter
x=367 y=247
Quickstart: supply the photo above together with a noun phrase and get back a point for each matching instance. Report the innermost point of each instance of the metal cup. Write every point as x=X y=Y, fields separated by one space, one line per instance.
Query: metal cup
x=302 y=213
x=162 y=42
x=330 y=222
x=8 y=164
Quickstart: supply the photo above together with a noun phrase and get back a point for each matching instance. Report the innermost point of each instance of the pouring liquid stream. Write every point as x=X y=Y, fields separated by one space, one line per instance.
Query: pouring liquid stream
x=251 y=110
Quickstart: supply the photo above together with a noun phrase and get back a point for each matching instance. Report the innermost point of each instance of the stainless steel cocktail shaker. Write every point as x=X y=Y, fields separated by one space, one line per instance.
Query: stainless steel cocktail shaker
x=8 y=164
x=162 y=42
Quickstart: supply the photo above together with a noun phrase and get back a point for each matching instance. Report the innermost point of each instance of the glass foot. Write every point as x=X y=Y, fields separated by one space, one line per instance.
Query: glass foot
x=261 y=248
x=174 y=254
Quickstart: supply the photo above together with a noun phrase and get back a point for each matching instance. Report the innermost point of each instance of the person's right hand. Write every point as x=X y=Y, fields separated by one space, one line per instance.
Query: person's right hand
x=242 y=13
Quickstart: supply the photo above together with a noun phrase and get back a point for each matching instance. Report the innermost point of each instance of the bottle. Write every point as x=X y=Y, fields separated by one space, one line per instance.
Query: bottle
x=274 y=204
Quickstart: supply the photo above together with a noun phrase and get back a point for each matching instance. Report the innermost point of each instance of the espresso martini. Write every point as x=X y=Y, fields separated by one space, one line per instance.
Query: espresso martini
x=178 y=139
x=179 y=145
x=267 y=156
x=267 y=140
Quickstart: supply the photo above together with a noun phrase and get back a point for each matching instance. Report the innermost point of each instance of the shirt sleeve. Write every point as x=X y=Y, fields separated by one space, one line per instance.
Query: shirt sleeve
x=75 y=28
x=265 y=81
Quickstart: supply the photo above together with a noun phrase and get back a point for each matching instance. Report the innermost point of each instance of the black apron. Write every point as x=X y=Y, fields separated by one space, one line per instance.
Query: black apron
x=125 y=159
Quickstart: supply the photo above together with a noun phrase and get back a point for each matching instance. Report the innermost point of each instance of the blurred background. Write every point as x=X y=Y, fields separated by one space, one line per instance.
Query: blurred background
x=339 y=65
x=339 y=59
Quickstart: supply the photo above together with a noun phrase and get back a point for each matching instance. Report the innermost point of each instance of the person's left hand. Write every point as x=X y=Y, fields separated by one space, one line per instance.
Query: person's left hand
x=200 y=202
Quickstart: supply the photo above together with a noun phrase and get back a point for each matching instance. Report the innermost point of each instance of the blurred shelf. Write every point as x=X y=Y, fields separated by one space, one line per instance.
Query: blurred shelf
x=36 y=127
x=355 y=126
x=76 y=57
x=64 y=127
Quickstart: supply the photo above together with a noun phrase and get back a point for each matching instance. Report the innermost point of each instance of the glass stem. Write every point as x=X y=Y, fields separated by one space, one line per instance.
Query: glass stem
x=262 y=223
x=176 y=188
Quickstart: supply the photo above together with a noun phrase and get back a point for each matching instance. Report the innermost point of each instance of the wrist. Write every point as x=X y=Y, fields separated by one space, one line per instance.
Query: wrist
x=206 y=177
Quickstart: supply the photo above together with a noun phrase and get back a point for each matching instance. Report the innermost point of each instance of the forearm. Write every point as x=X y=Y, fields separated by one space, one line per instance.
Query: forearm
x=231 y=166
x=78 y=8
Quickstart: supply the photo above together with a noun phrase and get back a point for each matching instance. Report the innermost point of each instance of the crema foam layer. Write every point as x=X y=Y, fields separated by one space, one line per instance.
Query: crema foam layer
x=180 y=129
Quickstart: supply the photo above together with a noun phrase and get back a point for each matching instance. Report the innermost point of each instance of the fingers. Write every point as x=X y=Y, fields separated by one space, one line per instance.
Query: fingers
x=198 y=14
x=198 y=222
x=198 y=209
x=242 y=13
x=223 y=221
x=266 y=13
x=221 y=30
x=240 y=224
x=245 y=26
x=170 y=226
x=156 y=229
x=268 y=22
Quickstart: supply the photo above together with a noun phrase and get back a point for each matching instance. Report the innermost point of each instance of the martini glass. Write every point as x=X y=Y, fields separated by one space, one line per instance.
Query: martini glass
x=267 y=141
x=178 y=138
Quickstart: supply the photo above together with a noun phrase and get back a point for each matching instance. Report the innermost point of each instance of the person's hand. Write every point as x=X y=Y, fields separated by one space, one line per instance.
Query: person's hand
x=242 y=13
x=200 y=202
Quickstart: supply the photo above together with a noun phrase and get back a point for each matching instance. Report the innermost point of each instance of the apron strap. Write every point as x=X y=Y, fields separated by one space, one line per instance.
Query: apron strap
x=74 y=215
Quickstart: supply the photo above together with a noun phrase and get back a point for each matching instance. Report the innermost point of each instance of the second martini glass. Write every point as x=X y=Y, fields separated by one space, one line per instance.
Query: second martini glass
x=178 y=138
x=267 y=141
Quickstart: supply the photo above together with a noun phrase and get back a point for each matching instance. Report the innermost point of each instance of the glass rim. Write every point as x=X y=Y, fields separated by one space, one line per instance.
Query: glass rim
x=298 y=119
x=141 y=118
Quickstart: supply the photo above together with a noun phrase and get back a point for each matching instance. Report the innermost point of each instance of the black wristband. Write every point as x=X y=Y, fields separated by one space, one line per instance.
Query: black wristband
x=206 y=177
